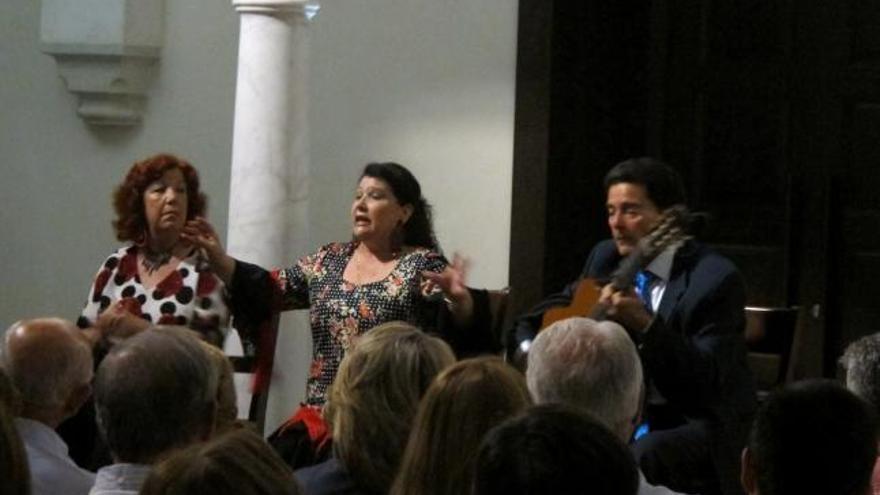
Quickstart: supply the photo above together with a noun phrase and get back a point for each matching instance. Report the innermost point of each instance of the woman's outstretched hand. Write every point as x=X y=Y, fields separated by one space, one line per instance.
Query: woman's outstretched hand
x=200 y=233
x=451 y=281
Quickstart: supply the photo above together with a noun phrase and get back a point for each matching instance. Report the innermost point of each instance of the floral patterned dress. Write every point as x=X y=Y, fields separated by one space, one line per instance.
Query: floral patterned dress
x=188 y=296
x=339 y=311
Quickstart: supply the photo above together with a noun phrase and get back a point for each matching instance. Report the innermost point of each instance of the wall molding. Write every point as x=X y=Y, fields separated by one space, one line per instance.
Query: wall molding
x=107 y=54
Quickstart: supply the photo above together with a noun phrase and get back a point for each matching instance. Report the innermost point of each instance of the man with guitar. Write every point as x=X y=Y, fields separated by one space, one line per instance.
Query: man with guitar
x=682 y=304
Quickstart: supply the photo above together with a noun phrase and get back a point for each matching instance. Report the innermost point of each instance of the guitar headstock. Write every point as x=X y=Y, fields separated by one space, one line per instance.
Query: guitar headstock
x=671 y=229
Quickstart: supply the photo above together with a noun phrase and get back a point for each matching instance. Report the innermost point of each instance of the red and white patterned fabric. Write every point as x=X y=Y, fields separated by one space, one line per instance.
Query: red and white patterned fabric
x=188 y=296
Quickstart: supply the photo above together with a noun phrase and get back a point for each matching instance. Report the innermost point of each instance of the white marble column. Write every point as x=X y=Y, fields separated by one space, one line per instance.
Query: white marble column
x=269 y=184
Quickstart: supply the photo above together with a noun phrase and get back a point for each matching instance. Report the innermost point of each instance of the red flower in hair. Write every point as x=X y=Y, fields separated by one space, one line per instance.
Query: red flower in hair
x=171 y=285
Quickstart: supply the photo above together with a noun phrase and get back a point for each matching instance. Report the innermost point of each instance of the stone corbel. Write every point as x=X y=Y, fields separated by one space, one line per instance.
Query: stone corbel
x=107 y=53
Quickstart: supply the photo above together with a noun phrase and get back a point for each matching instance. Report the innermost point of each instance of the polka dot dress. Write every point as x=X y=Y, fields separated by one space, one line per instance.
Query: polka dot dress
x=339 y=311
x=187 y=296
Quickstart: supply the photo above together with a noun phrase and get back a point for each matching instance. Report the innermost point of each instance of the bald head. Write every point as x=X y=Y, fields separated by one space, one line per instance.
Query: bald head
x=48 y=360
x=590 y=365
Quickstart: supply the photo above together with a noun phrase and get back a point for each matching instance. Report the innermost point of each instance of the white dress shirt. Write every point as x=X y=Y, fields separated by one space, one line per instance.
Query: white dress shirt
x=660 y=267
x=120 y=479
x=52 y=469
x=646 y=488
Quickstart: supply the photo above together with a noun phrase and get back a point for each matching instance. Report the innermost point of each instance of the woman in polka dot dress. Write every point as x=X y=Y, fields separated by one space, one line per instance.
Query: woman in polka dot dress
x=159 y=278
x=389 y=271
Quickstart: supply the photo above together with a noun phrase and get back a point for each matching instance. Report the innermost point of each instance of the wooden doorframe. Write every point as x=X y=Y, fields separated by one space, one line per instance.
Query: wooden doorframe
x=530 y=146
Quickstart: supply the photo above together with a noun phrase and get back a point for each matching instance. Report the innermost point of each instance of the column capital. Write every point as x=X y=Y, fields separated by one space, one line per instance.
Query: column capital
x=305 y=9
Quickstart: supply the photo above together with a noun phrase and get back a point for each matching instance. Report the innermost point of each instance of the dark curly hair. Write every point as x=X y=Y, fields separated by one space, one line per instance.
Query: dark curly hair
x=419 y=230
x=128 y=198
x=662 y=183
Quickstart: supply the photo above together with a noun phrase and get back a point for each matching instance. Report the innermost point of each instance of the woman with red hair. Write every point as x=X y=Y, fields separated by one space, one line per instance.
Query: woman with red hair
x=158 y=277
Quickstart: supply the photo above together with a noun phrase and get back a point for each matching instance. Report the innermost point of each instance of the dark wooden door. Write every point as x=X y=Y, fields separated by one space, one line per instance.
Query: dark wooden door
x=725 y=102
x=853 y=140
x=771 y=110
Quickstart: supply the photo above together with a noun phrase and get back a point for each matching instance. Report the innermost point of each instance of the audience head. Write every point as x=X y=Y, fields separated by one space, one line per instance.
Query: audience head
x=419 y=229
x=50 y=364
x=155 y=392
x=462 y=404
x=554 y=449
x=662 y=183
x=238 y=461
x=812 y=437
x=15 y=476
x=861 y=360
x=374 y=398
x=588 y=365
x=131 y=222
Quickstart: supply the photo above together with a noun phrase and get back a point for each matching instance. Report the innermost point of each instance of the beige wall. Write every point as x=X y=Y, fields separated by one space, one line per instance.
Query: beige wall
x=58 y=173
x=429 y=84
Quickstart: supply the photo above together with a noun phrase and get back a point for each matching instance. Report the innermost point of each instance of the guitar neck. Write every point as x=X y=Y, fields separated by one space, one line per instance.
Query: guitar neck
x=622 y=278
x=668 y=232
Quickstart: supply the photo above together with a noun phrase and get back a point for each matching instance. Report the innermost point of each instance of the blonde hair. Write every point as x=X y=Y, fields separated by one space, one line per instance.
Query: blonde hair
x=374 y=398
x=227 y=404
x=461 y=406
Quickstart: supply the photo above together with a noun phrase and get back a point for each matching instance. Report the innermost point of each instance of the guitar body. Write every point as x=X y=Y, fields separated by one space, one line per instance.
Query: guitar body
x=669 y=231
x=582 y=304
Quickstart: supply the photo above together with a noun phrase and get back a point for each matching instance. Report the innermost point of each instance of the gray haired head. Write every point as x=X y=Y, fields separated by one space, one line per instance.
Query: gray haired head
x=589 y=365
x=155 y=392
x=861 y=360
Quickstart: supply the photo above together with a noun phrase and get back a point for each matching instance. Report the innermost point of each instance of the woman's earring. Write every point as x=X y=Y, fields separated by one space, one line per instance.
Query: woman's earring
x=141 y=239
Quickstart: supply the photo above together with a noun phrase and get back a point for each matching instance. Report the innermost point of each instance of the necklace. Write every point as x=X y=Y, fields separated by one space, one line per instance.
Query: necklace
x=360 y=258
x=154 y=260
x=365 y=270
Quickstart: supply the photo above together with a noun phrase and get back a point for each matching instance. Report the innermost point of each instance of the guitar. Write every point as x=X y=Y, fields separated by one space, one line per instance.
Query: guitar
x=670 y=230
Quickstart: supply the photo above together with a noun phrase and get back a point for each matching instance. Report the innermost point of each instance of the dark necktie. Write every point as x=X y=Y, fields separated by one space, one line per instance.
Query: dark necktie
x=643 y=282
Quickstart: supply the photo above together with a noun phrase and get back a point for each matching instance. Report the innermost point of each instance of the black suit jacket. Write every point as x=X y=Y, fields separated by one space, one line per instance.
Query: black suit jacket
x=694 y=350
